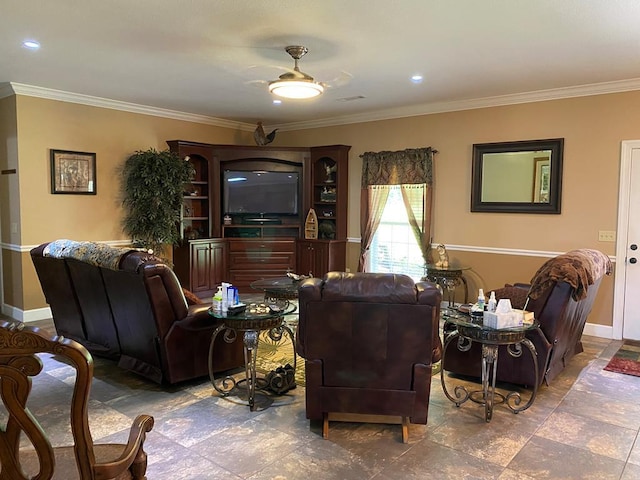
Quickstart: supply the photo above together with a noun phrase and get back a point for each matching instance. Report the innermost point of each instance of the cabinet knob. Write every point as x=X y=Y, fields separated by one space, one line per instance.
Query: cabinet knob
x=633 y=260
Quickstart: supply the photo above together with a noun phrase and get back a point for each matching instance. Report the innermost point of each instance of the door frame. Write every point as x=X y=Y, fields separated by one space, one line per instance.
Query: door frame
x=620 y=279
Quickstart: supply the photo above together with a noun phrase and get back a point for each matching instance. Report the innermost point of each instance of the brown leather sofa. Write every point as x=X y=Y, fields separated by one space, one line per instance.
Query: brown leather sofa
x=369 y=341
x=128 y=305
x=561 y=295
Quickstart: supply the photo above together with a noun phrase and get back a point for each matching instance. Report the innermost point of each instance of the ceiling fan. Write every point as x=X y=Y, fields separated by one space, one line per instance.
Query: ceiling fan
x=296 y=84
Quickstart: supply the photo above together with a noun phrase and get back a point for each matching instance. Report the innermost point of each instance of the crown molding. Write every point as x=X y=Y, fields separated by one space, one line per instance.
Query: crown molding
x=486 y=102
x=51 y=94
x=8 y=89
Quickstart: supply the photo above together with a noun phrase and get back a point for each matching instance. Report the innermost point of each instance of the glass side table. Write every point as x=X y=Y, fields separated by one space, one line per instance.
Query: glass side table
x=255 y=319
x=466 y=332
x=449 y=279
x=277 y=288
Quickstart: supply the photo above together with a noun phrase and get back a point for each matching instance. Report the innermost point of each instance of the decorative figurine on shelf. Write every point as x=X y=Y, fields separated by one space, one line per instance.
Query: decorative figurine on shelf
x=328 y=194
x=443 y=257
x=327 y=230
x=262 y=139
x=329 y=169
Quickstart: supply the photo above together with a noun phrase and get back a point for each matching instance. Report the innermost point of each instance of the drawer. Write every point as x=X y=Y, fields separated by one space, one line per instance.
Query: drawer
x=262 y=260
x=261 y=245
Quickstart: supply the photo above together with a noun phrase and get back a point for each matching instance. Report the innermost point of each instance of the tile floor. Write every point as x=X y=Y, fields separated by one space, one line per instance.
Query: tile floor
x=584 y=426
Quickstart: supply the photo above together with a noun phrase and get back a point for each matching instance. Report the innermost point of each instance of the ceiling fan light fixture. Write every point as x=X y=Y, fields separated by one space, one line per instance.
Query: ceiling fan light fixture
x=296 y=89
x=296 y=84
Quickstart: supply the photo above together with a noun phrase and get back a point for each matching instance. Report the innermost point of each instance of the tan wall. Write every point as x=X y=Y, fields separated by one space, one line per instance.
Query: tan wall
x=8 y=161
x=113 y=135
x=592 y=127
x=9 y=210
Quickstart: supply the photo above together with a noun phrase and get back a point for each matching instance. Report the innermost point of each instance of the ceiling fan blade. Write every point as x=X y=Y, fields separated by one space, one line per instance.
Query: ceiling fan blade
x=340 y=80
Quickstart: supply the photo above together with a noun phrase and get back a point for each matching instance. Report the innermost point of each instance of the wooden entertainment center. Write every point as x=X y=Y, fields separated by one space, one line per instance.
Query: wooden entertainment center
x=240 y=248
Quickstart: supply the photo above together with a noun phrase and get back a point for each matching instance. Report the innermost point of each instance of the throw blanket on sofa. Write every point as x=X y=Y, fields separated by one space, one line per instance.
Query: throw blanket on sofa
x=578 y=268
x=97 y=254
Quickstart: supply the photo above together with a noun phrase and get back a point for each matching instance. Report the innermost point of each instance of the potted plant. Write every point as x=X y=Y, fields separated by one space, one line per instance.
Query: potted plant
x=153 y=188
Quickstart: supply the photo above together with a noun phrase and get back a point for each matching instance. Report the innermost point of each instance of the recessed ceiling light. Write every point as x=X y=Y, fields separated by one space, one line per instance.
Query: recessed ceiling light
x=416 y=78
x=277 y=102
x=31 y=44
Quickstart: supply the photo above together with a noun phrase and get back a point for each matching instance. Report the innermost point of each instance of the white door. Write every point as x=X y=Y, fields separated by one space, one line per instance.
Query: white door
x=627 y=281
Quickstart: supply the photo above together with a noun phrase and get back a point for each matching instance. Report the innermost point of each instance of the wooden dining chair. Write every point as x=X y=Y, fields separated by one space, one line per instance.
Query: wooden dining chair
x=20 y=363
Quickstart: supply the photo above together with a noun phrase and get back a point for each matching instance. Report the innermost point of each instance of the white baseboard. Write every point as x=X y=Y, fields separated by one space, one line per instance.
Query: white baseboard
x=595 y=330
x=26 y=315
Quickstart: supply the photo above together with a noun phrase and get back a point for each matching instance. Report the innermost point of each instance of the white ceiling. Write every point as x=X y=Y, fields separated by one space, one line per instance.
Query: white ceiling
x=209 y=57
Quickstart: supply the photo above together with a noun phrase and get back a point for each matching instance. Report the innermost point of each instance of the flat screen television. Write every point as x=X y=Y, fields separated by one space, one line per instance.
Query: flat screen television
x=260 y=192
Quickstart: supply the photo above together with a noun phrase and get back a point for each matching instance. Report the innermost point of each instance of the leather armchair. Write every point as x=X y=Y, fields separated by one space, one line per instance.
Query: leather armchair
x=369 y=341
x=132 y=310
x=561 y=295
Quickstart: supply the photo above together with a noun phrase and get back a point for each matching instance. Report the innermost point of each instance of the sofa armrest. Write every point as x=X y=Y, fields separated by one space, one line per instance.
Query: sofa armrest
x=197 y=318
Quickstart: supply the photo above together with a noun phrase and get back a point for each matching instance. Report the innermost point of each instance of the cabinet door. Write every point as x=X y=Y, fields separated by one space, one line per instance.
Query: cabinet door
x=305 y=258
x=208 y=266
x=201 y=267
x=218 y=267
x=320 y=263
x=313 y=258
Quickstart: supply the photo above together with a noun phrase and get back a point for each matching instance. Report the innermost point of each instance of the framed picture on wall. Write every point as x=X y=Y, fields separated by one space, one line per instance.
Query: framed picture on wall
x=541 y=180
x=73 y=172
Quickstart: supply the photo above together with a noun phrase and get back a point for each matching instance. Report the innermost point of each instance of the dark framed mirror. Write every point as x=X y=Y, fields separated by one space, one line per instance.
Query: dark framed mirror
x=517 y=177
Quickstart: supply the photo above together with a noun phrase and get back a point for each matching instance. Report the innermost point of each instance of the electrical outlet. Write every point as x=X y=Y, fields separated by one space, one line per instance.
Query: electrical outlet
x=606 y=236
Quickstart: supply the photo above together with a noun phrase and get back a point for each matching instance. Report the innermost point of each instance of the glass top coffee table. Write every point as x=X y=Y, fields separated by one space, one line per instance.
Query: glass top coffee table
x=255 y=319
x=466 y=332
x=277 y=288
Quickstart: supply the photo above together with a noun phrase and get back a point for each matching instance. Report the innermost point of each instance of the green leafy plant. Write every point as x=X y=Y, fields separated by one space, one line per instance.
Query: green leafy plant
x=153 y=189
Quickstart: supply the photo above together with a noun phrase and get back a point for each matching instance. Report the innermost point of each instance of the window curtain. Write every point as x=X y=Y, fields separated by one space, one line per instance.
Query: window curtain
x=406 y=168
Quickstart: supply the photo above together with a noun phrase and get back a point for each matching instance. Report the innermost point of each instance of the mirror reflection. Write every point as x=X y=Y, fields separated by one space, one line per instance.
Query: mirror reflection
x=522 y=176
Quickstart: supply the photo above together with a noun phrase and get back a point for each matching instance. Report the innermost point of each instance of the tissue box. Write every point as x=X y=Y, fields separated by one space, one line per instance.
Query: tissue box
x=503 y=320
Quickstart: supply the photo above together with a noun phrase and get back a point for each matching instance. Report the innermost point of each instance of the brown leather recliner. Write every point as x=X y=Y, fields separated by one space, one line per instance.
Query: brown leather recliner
x=129 y=306
x=369 y=341
x=561 y=295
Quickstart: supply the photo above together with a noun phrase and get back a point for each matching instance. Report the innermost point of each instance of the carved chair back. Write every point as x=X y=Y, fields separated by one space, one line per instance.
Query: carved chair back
x=20 y=362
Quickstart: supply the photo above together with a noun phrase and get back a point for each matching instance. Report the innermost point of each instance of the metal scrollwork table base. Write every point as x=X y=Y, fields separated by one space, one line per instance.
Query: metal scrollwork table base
x=465 y=334
x=250 y=325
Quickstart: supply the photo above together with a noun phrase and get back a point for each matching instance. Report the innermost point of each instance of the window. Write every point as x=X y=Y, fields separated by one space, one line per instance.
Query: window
x=394 y=248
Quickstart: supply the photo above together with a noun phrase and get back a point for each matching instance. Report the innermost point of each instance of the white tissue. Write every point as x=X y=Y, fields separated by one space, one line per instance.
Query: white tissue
x=504 y=306
x=504 y=316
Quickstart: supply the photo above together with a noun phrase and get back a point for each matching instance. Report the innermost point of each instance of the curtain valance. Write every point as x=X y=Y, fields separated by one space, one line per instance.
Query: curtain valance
x=413 y=165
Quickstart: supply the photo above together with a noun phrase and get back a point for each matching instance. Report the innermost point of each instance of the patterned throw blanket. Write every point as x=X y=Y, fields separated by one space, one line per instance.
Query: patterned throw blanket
x=578 y=268
x=97 y=254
